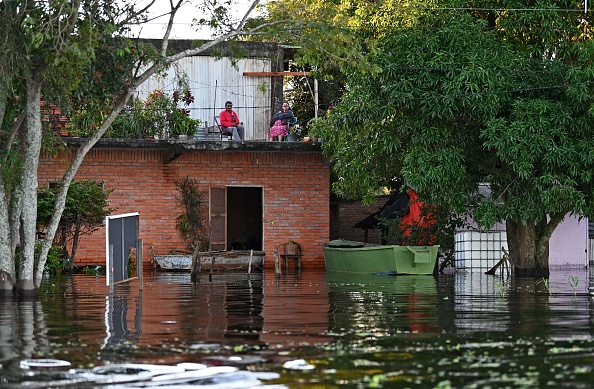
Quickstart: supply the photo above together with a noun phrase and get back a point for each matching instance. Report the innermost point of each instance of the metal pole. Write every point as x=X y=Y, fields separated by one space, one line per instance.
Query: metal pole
x=111 y=269
x=316 y=98
x=139 y=262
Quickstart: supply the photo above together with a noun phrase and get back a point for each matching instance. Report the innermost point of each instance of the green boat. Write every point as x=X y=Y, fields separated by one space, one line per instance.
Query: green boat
x=345 y=256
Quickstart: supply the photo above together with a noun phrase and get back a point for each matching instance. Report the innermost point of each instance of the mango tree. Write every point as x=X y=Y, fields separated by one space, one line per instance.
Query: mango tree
x=452 y=97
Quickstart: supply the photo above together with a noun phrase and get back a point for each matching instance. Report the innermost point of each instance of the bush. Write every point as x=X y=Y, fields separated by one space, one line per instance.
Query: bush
x=84 y=212
x=56 y=261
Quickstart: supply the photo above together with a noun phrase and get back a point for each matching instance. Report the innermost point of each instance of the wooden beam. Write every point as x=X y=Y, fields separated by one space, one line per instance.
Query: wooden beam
x=274 y=74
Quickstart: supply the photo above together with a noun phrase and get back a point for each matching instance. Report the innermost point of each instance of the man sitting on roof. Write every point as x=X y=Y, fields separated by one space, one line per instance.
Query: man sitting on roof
x=230 y=122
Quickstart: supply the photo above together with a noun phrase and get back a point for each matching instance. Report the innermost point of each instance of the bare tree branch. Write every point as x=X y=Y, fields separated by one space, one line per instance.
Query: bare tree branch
x=247 y=14
x=165 y=41
x=139 y=12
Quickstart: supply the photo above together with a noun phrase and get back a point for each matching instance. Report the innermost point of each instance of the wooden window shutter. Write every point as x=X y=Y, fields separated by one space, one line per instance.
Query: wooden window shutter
x=218 y=219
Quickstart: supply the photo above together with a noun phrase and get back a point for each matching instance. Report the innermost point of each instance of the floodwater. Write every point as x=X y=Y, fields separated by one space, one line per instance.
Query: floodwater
x=314 y=330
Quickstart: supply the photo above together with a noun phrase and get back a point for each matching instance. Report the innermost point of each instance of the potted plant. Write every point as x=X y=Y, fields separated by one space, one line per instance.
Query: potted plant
x=294 y=133
x=292 y=248
x=182 y=126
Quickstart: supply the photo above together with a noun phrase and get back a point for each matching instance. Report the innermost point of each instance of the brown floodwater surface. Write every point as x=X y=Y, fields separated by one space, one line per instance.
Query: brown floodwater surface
x=311 y=329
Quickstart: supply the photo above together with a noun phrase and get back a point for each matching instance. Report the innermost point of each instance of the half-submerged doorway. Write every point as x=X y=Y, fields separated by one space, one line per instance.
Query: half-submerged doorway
x=236 y=218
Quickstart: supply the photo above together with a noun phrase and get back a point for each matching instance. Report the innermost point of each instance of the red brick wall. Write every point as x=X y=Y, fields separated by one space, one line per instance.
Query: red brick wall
x=296 y=188
x=346 y=213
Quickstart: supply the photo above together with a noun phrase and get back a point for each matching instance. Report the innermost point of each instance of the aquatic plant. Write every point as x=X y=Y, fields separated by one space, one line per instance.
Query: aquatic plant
x=500 y=288
x=573 y=282
x=545 y=282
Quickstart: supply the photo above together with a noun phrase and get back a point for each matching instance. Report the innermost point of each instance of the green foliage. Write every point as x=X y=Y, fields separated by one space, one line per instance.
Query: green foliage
x=192 y=223
x=159 y=116
x=91 y=271
x=455 y=98
x=11 y=171
x=546 y=284
x=573 y=281
x=131 y=267
x=56 y=262
x=84 y=212
x=95 y=65
x=331 y=87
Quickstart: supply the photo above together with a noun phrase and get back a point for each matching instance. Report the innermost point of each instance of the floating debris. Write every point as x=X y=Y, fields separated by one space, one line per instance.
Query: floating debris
x=134 y=375
x=43 y=363
x=298 y=364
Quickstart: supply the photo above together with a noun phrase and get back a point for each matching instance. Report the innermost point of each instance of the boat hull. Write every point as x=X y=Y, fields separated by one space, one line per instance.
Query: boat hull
x=392 y=259
x=219 y=261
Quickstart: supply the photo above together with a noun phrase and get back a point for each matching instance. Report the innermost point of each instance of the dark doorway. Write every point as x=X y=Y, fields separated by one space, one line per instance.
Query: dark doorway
x=244 y=218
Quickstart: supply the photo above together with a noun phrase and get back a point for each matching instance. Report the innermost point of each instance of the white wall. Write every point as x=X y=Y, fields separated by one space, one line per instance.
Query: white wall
x=569 y=242
x=568 y=246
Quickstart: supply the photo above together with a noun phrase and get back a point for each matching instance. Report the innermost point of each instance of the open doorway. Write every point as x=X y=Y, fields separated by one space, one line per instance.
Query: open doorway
x=244 y=218
x=236 y=218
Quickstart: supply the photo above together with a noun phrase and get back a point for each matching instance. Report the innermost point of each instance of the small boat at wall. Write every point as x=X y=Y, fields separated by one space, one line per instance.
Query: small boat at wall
x=348 y=256
x=235 y=260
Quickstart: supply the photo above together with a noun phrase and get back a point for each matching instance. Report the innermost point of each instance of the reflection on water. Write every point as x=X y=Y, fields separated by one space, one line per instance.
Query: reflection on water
x=463 y=329
x=523 y=306
x=383 y=305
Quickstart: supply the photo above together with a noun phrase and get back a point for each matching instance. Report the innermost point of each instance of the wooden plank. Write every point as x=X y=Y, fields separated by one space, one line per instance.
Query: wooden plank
x=274 y=74
x=126 y=280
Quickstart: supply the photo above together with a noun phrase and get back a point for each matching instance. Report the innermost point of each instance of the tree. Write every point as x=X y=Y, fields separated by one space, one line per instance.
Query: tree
x=74 y=54
x=84 y=212
x=300 y=93
x=456 y=96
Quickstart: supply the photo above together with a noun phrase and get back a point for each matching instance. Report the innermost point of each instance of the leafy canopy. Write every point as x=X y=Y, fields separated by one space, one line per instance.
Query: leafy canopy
x=458 y=95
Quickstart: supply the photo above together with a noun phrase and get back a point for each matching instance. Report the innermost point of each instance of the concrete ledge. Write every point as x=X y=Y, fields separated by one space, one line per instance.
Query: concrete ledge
x=180 y=146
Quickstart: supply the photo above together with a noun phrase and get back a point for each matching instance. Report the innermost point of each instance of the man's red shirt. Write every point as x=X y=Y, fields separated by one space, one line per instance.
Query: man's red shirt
x=226 y=118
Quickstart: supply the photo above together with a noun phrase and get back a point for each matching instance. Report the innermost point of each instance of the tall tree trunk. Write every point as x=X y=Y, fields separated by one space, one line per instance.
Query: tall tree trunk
x=74 y=243
x=521 y=243
x=529 y=245
x=31 y=148
x=7 y=274
x=14 y=194
x=10 y=212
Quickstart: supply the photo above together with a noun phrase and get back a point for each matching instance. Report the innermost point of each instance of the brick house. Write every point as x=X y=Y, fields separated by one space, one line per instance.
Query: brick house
x=271 y=191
